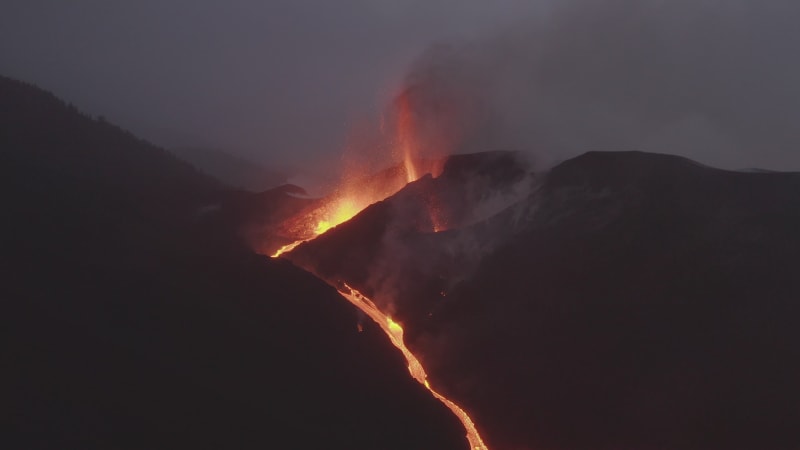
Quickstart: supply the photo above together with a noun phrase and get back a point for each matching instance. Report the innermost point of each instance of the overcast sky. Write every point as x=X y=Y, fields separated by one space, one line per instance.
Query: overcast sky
x=288 y=81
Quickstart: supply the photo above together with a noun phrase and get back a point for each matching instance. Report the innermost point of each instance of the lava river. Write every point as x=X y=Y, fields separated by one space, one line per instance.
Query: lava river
x=344 y=207
x=395 y=333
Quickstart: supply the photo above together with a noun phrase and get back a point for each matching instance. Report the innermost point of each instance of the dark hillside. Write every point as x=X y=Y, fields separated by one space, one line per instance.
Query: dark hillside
x=132 y=318
x=651 y=303
x=633 y=300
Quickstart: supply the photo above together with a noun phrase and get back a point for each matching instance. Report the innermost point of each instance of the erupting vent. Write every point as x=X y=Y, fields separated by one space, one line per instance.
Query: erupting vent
x=354 y=195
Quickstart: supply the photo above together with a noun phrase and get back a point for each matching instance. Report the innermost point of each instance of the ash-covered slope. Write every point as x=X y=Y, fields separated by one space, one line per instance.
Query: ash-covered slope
x=130 y=320
x=635 y=301
x=650 y=304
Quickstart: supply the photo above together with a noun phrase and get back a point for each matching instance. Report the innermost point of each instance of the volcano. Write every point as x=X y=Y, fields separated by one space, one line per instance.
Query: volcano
x=617 y=300
x=620 y=300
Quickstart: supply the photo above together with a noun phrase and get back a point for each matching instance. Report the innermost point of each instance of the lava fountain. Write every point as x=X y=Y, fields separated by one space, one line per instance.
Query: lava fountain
x=414 y=155
x=354 y=195
x=405 y=136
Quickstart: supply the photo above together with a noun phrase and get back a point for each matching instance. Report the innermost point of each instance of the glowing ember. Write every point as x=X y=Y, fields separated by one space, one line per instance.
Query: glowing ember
x=395 y=333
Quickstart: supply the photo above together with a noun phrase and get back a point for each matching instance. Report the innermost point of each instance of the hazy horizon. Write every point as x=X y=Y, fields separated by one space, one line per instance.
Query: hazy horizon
x=289 y=84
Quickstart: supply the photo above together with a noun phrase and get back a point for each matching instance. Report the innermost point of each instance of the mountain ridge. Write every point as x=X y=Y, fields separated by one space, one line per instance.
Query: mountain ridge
x=630 y=290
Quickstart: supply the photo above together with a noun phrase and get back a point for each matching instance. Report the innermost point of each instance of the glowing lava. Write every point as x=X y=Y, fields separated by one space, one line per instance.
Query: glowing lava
x=395 y=333
x=405 y=135
x=356 y=191
x=340 y=211
x=354 y=195
x=287 y=248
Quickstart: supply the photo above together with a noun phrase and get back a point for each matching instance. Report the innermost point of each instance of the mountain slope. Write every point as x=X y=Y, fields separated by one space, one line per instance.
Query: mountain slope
x=411 y=245
x=648 y=305
x=133 y=319
x=231 y=169
x=633 y=300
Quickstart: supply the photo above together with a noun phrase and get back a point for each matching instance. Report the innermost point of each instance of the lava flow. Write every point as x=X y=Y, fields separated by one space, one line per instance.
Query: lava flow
x=343 y=212
x=336 y=211
x=355 y=195
x=287 y=248
x=395 y=333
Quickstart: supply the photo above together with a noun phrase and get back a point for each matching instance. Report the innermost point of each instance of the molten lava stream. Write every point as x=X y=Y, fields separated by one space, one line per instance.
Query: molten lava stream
x=287 y=248
x=395 y=333
x=341 y=210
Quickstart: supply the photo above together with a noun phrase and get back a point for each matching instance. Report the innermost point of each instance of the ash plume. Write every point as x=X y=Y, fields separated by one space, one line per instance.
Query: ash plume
x=711 y=80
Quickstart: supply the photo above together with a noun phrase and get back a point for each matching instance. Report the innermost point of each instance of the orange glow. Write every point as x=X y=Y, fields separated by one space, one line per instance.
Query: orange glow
x=394 y=327
x=405 y=137
x=341 y=211
x=287 y=248
x=352 y=197
x=395 y=332
x=355 y=192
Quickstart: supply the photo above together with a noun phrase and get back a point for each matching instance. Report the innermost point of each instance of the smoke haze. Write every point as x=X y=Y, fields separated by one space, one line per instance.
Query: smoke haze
x=710 y=80
x=280 y=82
x=285 y=83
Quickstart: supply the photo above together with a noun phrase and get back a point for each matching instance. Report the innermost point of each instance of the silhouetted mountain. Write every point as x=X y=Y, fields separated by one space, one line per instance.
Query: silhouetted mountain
x=633 y=300
x=654 y=299
x=231 y=169
x=134 y=318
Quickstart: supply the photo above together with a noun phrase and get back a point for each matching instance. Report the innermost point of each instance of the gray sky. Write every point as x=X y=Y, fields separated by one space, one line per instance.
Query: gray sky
x=280 y=80
x=289 y=81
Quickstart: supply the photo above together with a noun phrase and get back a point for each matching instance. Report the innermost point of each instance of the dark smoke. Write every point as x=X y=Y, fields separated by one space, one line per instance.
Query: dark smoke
x=712 y=80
